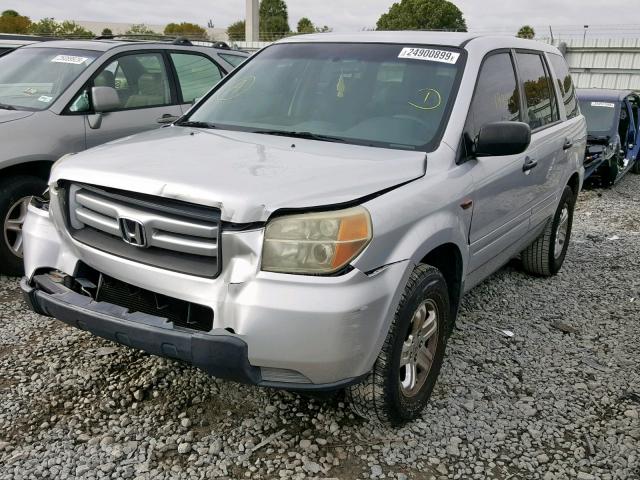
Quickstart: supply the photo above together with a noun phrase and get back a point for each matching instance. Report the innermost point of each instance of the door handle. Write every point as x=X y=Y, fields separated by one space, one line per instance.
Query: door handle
x=529 y=163
x=567 y=144
x=167 y=118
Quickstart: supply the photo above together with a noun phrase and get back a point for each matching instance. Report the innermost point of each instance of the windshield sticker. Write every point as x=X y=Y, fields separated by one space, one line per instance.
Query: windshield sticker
x=30 y=91
x=430 y=99
x=69 y=59
x=603 y=104
x=341 y=86
x=430 y=55
x=45 y=99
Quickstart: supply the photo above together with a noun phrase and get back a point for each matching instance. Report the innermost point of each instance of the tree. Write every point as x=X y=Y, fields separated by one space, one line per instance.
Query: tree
x=423 y=15
x=141 y=31
x=106 y=32
x=526 y=32
x=185 y=29
x=236 y=31
x=274 y=19
x=306 y=26
x=12 y=22
x=49 y=26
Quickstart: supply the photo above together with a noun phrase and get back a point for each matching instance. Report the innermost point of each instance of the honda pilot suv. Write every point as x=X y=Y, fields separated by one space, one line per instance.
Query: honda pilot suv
x=312 y=223
x=58 y=97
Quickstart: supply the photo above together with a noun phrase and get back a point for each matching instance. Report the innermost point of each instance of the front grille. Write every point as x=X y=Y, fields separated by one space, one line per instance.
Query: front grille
x=156 y=231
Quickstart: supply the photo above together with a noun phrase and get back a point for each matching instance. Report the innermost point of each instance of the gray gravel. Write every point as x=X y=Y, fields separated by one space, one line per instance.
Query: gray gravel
x=553 y=402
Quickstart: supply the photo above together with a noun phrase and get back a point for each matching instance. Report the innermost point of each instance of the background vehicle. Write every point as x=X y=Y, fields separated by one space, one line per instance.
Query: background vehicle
x=613 y=144
x=66 y=96
x=360 y=184
x=9 y=42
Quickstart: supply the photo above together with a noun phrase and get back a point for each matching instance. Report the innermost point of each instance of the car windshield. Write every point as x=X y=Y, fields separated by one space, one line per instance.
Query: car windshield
x=395 y=96
x=600 y=116
x=33 y=78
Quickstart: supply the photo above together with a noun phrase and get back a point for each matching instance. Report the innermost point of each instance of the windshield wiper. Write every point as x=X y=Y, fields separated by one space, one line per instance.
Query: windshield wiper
x=305 y=135
x=7 y=107
x=188 y=123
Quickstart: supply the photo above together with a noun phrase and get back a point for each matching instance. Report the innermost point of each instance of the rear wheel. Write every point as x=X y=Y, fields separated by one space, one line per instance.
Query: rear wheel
x=545 y=256
x=15 y=194
x=406 y=370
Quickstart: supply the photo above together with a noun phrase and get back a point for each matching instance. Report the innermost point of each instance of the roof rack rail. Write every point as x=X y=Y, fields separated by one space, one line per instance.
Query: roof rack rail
x=182 y=41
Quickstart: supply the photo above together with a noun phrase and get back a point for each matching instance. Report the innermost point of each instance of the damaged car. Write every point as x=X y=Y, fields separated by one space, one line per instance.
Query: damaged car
x=313 y=222
x=613 y=145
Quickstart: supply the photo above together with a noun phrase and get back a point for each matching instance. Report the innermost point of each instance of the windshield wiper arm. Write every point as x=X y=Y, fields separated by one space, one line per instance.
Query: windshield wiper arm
x=7 y=107
x=305 y=135
x=194 y=124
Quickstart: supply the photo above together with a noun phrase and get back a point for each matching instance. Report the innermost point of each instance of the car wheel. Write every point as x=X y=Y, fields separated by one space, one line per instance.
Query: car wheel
x=545 y=256
x=15 y=194
x=405 y=372
x=612 y=170
x=636 y=165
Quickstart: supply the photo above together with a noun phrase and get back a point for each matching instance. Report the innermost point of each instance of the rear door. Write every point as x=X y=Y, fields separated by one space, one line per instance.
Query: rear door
x=195 y=75
x=502 y=198
x=550 y=138
x=147 y=96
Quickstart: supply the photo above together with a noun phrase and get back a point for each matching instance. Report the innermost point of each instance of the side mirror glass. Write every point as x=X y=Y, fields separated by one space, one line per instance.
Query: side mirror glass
x=497 y=139
x=105 y=99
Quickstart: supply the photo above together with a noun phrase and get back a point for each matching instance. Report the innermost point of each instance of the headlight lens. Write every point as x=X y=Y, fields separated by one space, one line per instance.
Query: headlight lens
x=315 y=243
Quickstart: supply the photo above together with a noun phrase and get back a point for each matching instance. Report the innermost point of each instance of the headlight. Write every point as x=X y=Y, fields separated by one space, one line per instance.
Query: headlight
x=315 y=243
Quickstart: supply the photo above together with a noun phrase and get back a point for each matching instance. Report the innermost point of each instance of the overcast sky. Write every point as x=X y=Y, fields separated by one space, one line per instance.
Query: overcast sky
x=341 y=15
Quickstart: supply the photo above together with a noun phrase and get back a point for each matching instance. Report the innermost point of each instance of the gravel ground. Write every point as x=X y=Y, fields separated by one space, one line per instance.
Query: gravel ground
x=558 y=400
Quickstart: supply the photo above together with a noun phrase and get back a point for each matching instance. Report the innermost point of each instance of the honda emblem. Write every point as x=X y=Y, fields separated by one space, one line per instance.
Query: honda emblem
x=132 y=232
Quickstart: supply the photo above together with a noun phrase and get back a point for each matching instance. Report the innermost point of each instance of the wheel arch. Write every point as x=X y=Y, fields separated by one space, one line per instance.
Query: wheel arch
x=34 y=168
x=574 y=183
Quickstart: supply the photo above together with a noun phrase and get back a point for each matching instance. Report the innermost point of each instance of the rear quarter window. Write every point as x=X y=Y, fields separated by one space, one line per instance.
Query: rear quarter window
x=565 y=82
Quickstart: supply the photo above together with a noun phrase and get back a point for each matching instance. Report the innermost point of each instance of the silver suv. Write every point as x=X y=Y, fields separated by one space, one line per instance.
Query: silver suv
x=314 y=221
x=65 y=96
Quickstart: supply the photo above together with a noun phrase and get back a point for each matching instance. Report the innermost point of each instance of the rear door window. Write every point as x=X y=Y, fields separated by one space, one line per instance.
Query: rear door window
x=196 y=75
x=565 y=82
x=496 y=97
x=234 y=60
x=541 y=106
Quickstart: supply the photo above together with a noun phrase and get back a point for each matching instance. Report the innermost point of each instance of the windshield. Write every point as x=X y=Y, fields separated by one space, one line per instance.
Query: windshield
x=394 y=96
x=33 y=78
x=600 y=117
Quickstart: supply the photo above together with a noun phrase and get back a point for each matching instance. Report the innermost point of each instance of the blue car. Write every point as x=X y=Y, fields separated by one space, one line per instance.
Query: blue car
x=613 y=143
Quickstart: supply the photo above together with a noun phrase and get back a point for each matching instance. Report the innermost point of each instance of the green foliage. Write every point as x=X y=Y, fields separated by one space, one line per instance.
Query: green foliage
x=274 y=20
x=185 y=29
x=140 y=29
x=12 y=22
x=106 y=32
x=423 y=15
x=48 y=26
x=526 y=32
x=306 y=26
x=72 y=29
x=236 y=31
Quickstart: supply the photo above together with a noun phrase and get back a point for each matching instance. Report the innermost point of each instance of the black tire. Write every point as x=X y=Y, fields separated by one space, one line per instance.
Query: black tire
x=636 y=165
x=12 y=190
x=540 y=257
x=380 y=397
x=612 y=171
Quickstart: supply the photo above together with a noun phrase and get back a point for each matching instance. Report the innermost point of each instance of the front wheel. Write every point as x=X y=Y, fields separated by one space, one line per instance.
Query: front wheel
x=406 y=370
x=15 y=194
x=545 y=256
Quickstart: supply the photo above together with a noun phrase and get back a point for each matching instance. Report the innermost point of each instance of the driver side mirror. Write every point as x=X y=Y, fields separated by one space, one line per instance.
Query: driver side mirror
x=104 y=99
x=498 y=139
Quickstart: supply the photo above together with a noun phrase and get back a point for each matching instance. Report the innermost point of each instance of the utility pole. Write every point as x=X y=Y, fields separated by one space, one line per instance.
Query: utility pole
x=252 y=22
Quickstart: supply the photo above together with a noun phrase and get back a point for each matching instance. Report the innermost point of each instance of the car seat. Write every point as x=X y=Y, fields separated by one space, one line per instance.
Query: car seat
x=151 y=91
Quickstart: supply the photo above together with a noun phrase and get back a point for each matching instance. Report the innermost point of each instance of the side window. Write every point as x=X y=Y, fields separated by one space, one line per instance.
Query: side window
x=234 y=60
x=565 y=83
x=540 y=99
x=140 y=80
x=496 y=97
x=196 y=74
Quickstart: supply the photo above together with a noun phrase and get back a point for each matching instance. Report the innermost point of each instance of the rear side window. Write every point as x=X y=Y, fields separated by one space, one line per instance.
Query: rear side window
x=196 y=74
x=496 y=97
x=234 y=60
x=540 y=99
x=565 y=83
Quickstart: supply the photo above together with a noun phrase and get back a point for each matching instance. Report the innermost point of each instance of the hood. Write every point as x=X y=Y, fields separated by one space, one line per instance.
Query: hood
x=247 y=175
x=11 y=115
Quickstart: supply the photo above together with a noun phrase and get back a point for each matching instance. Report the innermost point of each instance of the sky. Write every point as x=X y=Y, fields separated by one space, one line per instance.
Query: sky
x=483 y=16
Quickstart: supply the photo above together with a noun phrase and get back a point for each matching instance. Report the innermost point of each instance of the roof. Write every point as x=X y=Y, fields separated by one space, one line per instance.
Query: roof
x=418 y=37
x=103 y=45
x=602 y=94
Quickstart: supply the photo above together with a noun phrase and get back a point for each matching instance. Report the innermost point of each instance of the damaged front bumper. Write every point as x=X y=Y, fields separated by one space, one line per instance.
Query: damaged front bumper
x=286 y=331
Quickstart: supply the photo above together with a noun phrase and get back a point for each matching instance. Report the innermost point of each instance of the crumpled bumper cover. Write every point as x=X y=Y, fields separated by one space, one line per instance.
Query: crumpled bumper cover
x=220 y=354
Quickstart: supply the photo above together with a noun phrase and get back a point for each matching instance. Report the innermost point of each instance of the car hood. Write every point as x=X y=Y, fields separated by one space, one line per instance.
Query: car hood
x=11 y=115
x=247 y=175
